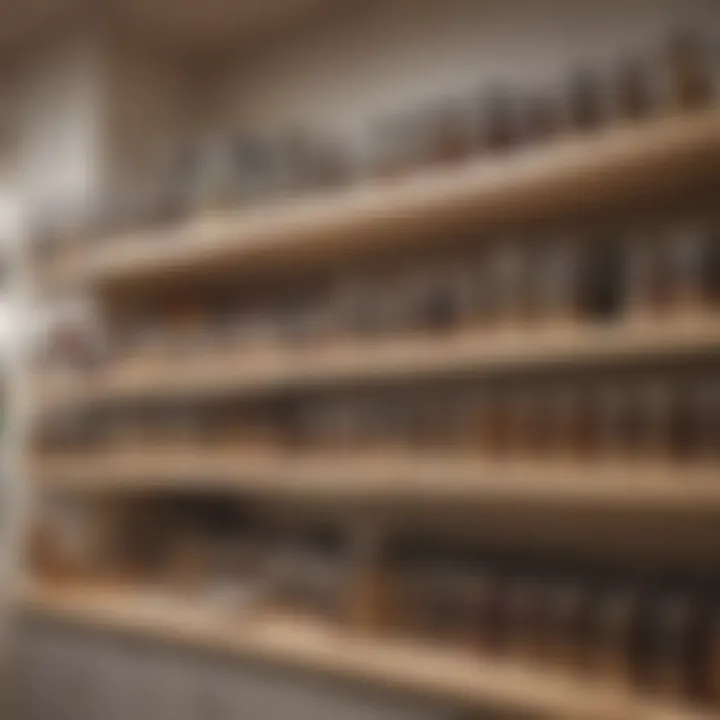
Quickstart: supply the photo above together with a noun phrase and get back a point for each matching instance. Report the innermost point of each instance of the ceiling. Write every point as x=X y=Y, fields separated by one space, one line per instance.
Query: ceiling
x=184 y=25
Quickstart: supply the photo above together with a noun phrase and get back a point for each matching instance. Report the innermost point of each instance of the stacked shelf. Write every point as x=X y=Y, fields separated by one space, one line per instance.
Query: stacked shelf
x=624 y=168
x=249 y=373
x=403 y=666
x=661 y=158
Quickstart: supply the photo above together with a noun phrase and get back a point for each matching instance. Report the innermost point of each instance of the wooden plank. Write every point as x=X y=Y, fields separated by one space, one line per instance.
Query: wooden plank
x=622 y=164
x=404 y=666
x=385 y=476
x=472 y=351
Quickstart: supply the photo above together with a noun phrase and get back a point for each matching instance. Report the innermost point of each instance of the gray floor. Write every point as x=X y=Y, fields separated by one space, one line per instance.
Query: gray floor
x=61 y=673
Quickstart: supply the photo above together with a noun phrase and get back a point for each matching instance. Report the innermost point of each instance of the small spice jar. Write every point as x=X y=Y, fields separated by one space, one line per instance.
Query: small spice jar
x=604 y=295
x=500 y=122
x=637 y=93
x=690 y=73
x=711 y=269
x=710 y=669
x=688 y=247
x=439 y=297
x=588 y=102
x=494 y=630
x=493 y=422
x=555 y=280
x=648 y=274
x=571 y=431
x=410 y=614
x=696 y=430
x=509 y=273
x=671 y=638
x=483 y=291
x=526 y=599
x=655 y=407
x=541 y=118
x=567 y=620
x=450 y=607
x=529 y=431
x=617 y=419
x=614 y=627
x=450 y=132
x=400 y=145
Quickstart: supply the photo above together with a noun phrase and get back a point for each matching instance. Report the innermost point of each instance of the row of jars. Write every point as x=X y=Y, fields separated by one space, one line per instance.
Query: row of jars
x=657 y=632
x=229 y=172
x=512 y=282
x=666 y=414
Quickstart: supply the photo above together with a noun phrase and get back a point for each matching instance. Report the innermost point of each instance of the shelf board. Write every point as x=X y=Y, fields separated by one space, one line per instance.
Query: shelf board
x=390 y=477
x=244 y=372
x=396 y=665
x=620 y=165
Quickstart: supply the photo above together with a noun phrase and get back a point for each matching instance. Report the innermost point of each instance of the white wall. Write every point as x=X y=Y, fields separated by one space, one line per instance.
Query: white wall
x=94 y=111
x=60 y=131
x=383 y=56
x=153 y=104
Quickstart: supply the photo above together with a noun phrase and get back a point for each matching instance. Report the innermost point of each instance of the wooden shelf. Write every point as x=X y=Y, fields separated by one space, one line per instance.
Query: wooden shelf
x=627 y=164
x=389 y=477
x=248 y=372
x=401 y=666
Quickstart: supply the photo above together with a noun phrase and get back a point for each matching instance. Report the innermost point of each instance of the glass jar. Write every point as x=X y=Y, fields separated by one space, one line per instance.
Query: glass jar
x=450 y=132
x=509 y=274
x=500 y=123
x=493 y=422
x=638 y=95
x=571 y=431
x=615 y=624
x=556 y=278
x=527 y=617
x=601 y=278
x=648 y=274
x=696 y=432
x=655 y=402
x=529 y=431
x=671 y=638
x=617 y=418
x=691 y=81
x=588 y=101
x=711 y=671
x=567 y=619
x=542 y=118
x=688 y=247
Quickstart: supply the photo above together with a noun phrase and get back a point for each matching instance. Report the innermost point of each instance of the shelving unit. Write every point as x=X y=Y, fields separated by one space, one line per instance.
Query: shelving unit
x=664 y=157
x=670 y=157
x=392 y=664
x=387 y=477
x=477 y=352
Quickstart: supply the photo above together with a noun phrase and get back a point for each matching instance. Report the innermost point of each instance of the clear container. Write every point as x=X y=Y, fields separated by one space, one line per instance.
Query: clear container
x=688 y=250
x=691 y=75
x=500 y=122
x=655 y=405
x=648 y=273
x=555 y=278
x=509 y=273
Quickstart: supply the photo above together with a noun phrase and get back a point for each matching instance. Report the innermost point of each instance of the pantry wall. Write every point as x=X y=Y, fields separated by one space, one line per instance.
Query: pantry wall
x=100 y=113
